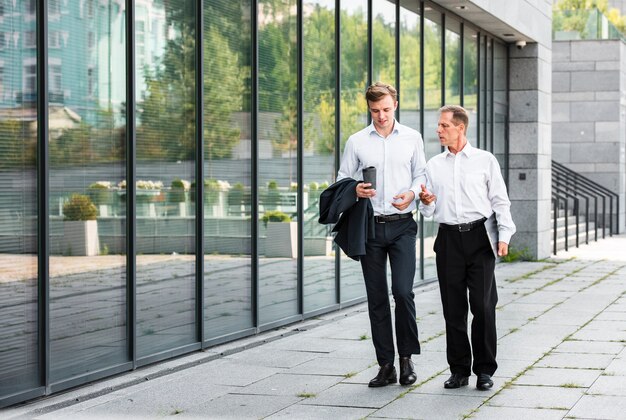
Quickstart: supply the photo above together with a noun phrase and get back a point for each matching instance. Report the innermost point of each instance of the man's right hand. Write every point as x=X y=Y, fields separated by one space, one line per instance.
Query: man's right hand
x=426 y=196
x=363 y=190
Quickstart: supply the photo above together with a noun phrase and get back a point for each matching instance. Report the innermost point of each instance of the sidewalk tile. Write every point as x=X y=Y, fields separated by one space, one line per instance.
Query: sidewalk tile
x=514 y=413
x=332 y=366
x=288 y=384
x=537 y=397
x=576 y=360
x=356 y=395
x=559 y=377
x=234 y=406
x=430 y=406
x=230 y=372
x=597 y=347
x=314 y=412
x=609 y=385
x=599 y=407
x=276 y=358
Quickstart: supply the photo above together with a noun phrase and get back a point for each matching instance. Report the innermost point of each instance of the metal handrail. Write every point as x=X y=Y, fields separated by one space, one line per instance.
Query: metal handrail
x=569 y=187
x=578 y=181
x=576 y=213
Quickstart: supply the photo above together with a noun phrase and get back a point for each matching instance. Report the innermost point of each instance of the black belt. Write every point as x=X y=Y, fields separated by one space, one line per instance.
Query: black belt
x=385 y=218
x=463 y=227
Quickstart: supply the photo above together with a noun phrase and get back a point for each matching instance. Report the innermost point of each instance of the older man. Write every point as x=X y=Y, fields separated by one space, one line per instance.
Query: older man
x=466 y=194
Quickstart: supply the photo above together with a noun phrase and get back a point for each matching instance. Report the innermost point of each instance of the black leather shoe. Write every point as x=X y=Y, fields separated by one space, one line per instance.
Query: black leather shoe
x=484 y=382
x=386 y=375
x=456 y=380
x=407 y=373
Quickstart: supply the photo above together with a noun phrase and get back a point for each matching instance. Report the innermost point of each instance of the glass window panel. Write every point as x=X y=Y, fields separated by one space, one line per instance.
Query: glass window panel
x=470 y=82
x=88 y=320
x=166 y=284
x=409 y=97
x=319 y=150
x=384 y=39
x=432 y=102
x=489 y=97
x=18 y=212
x=432 y=80
x=482 y=94
x=278 y=140
x=227 y=168
x=453 y=62
x=500 y=104
x=354 y=63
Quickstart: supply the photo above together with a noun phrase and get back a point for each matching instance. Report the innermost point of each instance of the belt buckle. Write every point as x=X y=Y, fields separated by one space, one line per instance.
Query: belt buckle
x=465 y=227
x=379 y=219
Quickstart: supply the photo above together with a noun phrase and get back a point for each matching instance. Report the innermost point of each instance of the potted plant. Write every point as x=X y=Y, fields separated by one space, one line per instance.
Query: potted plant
x=100 y=193
x=272 y=196
x=177 y=196
x=80 y=227
x=281 y=238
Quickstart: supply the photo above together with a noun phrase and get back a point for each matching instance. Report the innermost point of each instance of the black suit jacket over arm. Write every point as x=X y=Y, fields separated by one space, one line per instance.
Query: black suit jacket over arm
x=354 y=218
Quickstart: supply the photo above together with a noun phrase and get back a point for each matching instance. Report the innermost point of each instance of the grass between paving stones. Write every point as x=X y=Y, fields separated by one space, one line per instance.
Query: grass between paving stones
x=431 y=338
x=306 y=395
x=349 y=375
x=363 y=337
x=571 y=385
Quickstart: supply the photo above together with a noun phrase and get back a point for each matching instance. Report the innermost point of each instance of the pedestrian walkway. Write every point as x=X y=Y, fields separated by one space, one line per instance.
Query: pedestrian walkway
x=561 y=354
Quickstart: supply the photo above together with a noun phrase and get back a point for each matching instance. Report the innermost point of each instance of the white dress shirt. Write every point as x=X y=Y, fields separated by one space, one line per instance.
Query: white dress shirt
x=468 y=186
x=399 y=161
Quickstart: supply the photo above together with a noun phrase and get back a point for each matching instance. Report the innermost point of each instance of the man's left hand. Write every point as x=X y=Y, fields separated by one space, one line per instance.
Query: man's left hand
x=503 y=249
x=403 y=200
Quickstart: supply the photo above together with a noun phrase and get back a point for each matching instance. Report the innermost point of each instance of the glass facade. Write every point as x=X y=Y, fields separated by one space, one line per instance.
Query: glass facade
x=151 y=213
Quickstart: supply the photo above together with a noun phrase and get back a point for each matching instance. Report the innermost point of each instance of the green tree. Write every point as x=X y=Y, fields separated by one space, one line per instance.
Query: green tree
x=17 y=148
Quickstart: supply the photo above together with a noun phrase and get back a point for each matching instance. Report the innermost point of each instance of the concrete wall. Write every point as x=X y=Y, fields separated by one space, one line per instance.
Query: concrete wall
x=530 y=147
x=589 y=111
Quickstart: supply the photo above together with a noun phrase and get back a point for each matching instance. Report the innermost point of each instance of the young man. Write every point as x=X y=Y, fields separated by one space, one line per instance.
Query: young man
x=397 y=153
x=466 y=194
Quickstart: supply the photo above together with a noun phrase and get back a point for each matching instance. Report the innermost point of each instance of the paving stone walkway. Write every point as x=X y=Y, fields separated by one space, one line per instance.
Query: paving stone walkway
x=561 y=353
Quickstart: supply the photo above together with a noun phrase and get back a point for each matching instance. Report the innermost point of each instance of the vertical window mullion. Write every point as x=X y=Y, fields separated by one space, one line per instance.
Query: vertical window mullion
x=131 y=272
x=199 y=90
x=43 y=190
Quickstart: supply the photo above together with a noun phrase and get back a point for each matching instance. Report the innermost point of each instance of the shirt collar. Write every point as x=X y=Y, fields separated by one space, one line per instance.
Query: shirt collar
x=397 y=127
x=468 y=150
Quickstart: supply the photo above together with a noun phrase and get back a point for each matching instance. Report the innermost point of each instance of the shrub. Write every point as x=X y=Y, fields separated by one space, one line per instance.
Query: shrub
x=79 y=207
x=275 y=216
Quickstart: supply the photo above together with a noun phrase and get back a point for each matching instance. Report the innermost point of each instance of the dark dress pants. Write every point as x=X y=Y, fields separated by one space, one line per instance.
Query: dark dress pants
x=465 y=262
x=397 y=240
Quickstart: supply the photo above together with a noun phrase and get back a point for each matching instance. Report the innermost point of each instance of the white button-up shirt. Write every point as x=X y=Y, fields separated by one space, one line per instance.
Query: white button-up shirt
x=468 y=186
x=399 y=161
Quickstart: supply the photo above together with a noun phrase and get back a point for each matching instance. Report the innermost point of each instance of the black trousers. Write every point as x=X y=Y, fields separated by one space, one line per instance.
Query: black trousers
x=397 y=240
x=465 y=262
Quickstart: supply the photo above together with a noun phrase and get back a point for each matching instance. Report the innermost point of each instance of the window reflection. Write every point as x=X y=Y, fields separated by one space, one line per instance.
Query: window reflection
x=319 y=152
x=354 y=63
x=18 y=212
x=432 y=102
x=384 y=40
x=500 y=104
x=453 y=62
x=278 y=140
x=470 y=82
x=87 y=219
x=165 y=213
x=227 y=168
x=410 y=51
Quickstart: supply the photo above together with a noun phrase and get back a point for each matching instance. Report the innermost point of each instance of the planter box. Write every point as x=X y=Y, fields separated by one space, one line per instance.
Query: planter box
x=281 y=240
x=80 y=238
